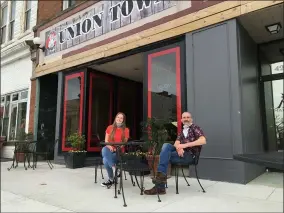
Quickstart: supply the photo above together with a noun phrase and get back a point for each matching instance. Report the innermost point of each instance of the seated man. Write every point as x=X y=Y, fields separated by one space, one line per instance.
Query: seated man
x=181 y=152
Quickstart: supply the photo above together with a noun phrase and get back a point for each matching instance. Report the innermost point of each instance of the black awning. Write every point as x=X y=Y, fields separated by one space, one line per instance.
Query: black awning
x=273 y=160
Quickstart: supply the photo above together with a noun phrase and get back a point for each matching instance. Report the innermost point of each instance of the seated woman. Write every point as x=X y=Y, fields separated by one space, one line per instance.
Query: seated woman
x=117 y=132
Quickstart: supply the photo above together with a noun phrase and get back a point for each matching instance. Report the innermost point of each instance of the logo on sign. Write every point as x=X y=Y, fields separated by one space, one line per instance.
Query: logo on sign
x=51 y=41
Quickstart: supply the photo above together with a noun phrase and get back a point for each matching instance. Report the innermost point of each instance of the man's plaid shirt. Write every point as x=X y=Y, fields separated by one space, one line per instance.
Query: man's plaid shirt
x=194 y=132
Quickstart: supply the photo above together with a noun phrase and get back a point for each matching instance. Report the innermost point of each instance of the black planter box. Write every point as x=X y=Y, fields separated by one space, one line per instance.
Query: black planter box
x=74 y=160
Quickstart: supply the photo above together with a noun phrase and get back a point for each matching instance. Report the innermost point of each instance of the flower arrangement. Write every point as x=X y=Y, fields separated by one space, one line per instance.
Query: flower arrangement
x=77 y=142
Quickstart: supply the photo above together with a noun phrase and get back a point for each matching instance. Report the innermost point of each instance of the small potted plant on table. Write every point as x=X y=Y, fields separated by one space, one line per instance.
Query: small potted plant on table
x=75 y=158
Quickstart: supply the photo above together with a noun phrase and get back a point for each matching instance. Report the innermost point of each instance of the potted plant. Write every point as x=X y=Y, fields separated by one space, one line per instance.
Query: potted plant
x=135 y=159
x=20 y=156
x=75 y=158
x=156 y=134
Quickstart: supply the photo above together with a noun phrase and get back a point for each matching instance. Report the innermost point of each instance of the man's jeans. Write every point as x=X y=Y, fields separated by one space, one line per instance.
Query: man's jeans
x=109 y=160
x=169 y=155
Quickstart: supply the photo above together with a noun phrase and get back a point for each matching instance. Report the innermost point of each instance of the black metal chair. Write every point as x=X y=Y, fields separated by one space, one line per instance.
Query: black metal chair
x=135 y=165
x=177 y=166
x=44 y=148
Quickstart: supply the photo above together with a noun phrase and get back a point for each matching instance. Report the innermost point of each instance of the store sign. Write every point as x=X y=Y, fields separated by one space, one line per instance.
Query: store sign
x=102 y=18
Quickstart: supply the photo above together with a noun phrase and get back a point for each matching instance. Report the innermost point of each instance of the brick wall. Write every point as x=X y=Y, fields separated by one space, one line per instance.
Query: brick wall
x=48 y=10
x=32 y=106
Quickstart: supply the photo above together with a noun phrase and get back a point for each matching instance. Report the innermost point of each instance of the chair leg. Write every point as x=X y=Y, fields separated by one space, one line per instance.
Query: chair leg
x=132 y=181
x=159 y=200
x=102 y=172
x=184 y=177
x=176 y=177
x=115 y=183
x=124 y=175
x=96 y=173
x=198 y=179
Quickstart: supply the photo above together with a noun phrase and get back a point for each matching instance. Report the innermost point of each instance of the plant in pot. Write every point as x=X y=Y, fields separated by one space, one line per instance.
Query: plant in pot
x=75 y=158
x=22 y=136
x=156 y=132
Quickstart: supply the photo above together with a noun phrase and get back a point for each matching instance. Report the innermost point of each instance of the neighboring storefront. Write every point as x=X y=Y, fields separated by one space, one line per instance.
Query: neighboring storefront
x=16 y=69
x=151 y=58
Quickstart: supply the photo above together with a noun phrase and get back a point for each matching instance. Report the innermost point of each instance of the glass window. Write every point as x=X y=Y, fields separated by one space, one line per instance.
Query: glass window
x=72 y=107
x=274 y=108
x=277 y=68
x=28 y=15
x=24 y=95
x=6 y=116
x=21 y=119
x=12 y=20
x=100 y=112
x=165 y=101
x=4 y=24
x=12 y=129
x=15 y=97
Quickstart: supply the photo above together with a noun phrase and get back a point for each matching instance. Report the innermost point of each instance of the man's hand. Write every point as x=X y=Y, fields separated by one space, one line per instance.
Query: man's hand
x=110 y=148
x=180 y=152
x=182 y=146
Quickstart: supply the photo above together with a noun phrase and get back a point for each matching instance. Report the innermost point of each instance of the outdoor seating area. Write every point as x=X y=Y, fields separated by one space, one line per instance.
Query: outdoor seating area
x=74 y=190
x=29 y=151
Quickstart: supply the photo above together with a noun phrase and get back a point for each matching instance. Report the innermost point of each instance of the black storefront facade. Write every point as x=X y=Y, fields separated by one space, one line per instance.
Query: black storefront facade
x=212 y=72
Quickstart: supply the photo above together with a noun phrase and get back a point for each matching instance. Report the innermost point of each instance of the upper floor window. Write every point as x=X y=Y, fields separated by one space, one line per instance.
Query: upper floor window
x=28 y=15
x=4 y=12
x=68 y=3
x=12 y=20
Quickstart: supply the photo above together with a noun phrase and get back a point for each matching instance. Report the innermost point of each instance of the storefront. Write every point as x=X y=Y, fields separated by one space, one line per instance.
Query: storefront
x=152 y=59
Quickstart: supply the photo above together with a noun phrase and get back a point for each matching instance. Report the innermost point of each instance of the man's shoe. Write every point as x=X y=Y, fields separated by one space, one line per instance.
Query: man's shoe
x=154 y=191
x=160 y=178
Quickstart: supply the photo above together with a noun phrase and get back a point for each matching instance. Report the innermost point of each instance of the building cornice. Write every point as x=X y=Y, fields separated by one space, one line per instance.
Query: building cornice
x=15 y=48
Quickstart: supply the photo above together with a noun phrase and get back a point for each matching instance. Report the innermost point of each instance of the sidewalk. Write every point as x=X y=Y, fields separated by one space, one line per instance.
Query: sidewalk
x=66 y=190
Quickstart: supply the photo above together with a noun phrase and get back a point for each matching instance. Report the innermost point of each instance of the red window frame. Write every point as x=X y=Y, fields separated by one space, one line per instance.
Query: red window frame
x=109 y=80
x=67 y=78
x=175 y=50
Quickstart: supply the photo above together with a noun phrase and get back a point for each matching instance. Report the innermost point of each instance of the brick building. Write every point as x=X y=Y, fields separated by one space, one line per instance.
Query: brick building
x=159 y=58
x=18 y=19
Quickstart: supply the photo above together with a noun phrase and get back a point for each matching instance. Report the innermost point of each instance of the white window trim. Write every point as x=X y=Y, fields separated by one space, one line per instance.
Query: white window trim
x=17 y=103
x=65 y=4
x=5 y=4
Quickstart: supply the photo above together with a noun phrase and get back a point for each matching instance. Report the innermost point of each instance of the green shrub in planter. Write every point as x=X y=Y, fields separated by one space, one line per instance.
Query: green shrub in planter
x=75 y=158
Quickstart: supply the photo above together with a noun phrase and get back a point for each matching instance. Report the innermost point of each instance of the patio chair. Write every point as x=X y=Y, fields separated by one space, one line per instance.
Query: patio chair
x=177 y=166
x=44 y=148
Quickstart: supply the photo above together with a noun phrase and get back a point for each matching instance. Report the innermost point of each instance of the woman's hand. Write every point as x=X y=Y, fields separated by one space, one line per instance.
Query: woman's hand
x=111 y=148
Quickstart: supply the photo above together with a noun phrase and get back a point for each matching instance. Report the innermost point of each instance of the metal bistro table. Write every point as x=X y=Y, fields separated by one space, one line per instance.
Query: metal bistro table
x=24 y=147
x=122 y=166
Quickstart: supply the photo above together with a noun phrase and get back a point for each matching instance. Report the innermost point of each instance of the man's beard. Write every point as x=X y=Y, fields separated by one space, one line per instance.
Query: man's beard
x=186 y=124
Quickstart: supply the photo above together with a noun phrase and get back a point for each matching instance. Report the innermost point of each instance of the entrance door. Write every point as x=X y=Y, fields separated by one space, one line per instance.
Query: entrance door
x=274 y=110
x=100 y=109
x=164 y=87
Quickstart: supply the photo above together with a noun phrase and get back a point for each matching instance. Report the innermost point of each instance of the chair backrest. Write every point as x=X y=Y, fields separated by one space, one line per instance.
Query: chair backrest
x=197 y=154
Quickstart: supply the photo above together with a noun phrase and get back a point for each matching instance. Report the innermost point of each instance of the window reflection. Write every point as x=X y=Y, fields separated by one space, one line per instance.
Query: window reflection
x=164 y=91
x=72 y=107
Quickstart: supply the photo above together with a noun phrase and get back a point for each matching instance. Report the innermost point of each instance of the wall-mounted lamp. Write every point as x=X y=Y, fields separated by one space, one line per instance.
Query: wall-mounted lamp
x=35 y=44
x=274 y=28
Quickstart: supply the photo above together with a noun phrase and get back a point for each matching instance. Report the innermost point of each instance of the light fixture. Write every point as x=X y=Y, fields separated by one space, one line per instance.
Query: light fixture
x=282 y=51
x=38 y=43
x=35 y=44
x=273 y=28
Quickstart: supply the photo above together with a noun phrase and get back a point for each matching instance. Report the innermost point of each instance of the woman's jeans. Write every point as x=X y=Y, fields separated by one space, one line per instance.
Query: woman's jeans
x=109 y=160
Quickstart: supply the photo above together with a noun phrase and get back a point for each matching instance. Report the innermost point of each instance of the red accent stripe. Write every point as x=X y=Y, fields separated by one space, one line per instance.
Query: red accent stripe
x=67 y=78
x=175 y=50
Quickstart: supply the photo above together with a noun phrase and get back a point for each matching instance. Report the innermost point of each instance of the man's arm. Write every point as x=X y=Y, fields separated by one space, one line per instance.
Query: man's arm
x=199 y=142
